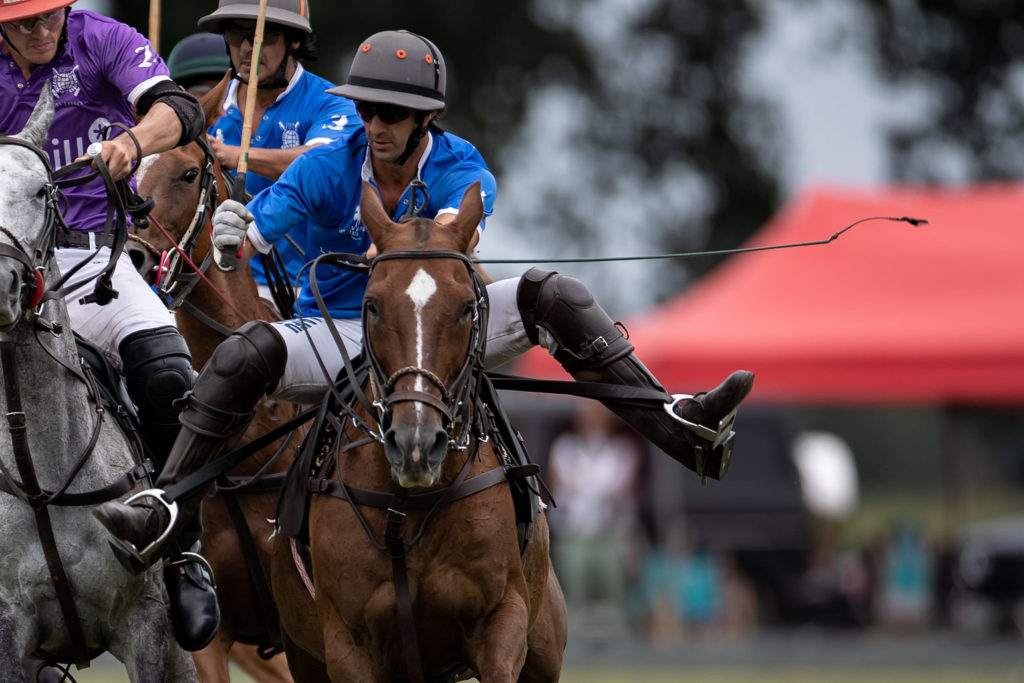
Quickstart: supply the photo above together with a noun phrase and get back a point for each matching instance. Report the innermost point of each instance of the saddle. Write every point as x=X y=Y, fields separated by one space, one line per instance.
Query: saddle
x=113 y=393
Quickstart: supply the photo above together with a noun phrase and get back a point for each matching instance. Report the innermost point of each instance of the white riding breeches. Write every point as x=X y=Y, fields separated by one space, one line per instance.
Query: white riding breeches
x=305 y=382
x=136 y=308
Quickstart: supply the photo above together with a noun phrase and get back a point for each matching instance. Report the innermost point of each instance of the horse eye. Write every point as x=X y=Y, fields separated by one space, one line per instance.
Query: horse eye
x=469 y=310
x=371 y=308
x=190 y=175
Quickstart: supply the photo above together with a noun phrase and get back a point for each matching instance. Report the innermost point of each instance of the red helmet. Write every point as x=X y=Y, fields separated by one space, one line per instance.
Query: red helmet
x=12 y=10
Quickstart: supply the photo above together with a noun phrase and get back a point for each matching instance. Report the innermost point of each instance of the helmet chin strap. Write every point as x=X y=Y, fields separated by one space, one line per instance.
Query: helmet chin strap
x=275 y=81
x=414 y=138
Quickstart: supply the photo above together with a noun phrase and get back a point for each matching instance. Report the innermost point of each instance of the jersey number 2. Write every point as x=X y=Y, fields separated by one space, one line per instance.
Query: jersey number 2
x=147 y=59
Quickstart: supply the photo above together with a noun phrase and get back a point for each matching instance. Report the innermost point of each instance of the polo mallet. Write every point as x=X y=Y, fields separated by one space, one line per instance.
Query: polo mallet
x=154 y=25
x=228 y=261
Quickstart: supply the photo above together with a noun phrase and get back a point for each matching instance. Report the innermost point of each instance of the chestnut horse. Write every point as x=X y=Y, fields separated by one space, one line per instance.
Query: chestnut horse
x=176 y=180
x=435 y=583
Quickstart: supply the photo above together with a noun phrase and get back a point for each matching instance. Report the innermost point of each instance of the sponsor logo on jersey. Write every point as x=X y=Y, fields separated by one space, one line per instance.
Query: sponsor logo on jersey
x=290 y=134
x=63 y=151
x=65 y=81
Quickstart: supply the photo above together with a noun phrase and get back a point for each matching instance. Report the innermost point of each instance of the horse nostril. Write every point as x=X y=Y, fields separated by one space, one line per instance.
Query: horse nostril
x=14 y=294
x=440 y=446
x=390 y=440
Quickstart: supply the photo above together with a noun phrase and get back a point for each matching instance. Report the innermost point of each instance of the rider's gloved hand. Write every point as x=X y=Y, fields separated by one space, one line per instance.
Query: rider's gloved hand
x=230 y=222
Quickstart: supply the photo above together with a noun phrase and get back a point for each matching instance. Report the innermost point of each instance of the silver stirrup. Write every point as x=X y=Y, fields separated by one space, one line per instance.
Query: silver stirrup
x=723 y=438
x=131 y=557
x=706 y=433
x=189 y=556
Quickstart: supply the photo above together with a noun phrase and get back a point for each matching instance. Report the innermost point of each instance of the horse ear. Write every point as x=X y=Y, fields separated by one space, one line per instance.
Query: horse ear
x=374 y=217
x=38 y=126
x=212 y=99
x=471 y=212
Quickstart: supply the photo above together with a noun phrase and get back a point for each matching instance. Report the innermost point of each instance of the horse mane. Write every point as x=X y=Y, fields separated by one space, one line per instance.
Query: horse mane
x=421 y=232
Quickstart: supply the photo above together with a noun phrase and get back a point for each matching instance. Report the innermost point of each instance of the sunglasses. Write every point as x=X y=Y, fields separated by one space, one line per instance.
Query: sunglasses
x=389 y=114
x=50 y=20
x=235 y=36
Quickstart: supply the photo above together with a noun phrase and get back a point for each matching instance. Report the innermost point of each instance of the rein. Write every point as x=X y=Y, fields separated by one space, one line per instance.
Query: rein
x=171 y=283
x=34 y=294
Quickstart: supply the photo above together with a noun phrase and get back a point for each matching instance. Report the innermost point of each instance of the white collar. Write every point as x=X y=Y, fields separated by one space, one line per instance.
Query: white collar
x=367 y=172
x=231 y=94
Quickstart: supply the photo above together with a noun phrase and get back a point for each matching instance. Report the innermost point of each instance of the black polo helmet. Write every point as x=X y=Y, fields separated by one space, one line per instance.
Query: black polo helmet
x=197 y=56
x=397 y=67
x=288 y=13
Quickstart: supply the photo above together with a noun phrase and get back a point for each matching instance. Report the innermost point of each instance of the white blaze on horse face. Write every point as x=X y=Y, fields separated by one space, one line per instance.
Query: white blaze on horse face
x=420 y=290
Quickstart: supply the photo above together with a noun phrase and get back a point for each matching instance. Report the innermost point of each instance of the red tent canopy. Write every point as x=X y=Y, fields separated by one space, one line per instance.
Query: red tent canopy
x=886 y=313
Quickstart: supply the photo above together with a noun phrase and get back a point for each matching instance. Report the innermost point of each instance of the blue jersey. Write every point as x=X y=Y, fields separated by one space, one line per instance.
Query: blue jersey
x=304 y=114
x=323 y=188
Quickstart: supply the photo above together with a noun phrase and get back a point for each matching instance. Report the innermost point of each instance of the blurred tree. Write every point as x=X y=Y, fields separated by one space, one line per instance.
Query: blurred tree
x=969 y=54
x=490 y=71
x=659 y=122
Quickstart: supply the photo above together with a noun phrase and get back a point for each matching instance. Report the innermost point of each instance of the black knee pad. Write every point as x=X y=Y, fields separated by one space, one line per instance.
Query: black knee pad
x=586 y=336
x=157 y=368
x=243 y=368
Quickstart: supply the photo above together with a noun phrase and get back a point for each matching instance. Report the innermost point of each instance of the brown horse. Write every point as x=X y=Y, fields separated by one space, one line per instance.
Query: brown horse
x=175 y=180
x=440 y=585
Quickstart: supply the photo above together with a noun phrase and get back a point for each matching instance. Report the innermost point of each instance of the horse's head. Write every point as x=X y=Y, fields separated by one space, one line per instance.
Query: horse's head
x=175 y=179
x=424 y=331
x=25 y=193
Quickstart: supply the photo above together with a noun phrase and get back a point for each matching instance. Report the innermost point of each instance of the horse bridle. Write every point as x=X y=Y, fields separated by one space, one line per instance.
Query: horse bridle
x=120 y=203
x=170 y=282
x=455 y=402
x=33 y=286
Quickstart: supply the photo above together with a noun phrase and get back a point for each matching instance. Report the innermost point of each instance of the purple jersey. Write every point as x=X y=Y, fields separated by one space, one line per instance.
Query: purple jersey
x=96 y=80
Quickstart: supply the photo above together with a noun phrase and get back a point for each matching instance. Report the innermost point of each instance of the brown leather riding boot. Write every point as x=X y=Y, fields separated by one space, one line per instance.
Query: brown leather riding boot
x=218 y=409
x=695 y=430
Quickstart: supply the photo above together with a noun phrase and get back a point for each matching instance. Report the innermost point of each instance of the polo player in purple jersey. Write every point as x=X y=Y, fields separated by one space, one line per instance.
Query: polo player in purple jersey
x=102 y=73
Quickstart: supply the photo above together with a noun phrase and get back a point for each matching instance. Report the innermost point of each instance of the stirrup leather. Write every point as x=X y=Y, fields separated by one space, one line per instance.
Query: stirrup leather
x=720 y=440
x=131 y=557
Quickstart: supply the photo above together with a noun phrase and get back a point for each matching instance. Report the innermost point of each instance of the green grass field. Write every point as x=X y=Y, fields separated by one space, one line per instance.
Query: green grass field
x=787 y=675
x=105 y=673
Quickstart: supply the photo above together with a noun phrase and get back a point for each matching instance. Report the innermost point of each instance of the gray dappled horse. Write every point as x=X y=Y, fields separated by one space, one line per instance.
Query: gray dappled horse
x=117 y=611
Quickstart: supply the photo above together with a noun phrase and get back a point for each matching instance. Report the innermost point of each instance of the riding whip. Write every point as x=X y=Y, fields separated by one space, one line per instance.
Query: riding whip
x=717 y=252
x=227 y=261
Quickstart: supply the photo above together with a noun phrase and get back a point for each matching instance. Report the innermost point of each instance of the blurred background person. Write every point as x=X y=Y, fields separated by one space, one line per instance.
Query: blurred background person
x=198 y=62
x=594 y=471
